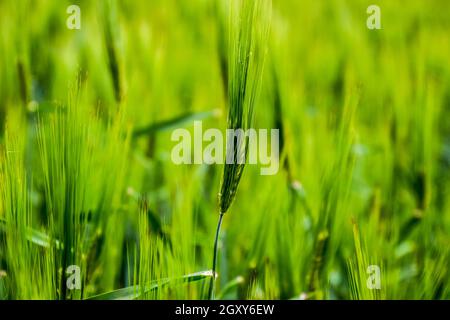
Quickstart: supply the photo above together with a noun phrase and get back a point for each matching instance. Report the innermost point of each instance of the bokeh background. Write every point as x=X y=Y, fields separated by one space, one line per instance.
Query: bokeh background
x=86 y=118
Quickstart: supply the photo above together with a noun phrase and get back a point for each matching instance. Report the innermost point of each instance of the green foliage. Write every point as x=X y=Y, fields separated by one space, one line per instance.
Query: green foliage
x=86 y=177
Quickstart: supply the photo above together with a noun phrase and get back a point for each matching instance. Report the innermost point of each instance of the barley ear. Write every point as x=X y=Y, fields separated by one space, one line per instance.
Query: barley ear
x=249 y=29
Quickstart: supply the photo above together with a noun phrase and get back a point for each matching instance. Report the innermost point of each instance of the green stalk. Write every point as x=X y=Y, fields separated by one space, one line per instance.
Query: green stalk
x=216 y=242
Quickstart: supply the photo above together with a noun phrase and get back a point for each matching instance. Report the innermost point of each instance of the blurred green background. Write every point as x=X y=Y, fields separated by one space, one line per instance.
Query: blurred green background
x=86 y=117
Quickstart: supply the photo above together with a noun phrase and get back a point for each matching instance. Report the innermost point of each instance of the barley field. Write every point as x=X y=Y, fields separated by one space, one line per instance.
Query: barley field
x=93 y=205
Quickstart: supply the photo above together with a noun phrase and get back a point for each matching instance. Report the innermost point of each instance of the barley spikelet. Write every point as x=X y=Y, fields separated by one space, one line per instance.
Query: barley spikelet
x=249 y=26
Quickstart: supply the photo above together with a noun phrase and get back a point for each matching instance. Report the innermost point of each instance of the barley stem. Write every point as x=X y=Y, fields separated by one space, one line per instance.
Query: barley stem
x=216 y=241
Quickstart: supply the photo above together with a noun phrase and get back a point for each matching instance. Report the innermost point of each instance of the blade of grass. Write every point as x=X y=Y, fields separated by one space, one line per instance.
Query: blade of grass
x=174 y=122
x=133 y=292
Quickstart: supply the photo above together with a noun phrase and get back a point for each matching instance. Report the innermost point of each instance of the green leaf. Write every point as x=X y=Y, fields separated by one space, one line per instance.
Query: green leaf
x=133 y=292
x=175 y=122
x=36 y=237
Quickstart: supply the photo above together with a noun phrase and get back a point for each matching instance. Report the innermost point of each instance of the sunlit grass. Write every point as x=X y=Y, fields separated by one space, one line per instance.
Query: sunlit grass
x=85 y=171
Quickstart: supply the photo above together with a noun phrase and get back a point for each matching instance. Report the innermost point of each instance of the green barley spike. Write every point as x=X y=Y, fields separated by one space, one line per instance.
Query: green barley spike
x=249 y=28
